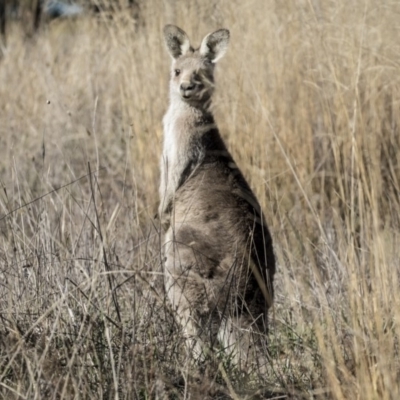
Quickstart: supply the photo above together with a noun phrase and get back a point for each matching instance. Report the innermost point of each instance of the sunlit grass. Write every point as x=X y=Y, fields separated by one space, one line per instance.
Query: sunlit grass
x=307 y=100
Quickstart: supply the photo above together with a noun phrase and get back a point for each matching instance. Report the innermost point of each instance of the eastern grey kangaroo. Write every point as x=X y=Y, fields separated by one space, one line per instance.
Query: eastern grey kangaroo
x=218 y=255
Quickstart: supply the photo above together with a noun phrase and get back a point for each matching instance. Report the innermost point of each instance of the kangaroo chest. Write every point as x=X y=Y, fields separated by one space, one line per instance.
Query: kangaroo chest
x=177 y=154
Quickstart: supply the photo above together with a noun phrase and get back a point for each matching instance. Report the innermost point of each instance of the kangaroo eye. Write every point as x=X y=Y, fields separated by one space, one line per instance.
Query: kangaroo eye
x=177 y=72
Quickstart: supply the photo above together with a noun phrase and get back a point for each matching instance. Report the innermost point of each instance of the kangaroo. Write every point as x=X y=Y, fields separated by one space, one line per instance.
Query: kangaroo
x=219 y=262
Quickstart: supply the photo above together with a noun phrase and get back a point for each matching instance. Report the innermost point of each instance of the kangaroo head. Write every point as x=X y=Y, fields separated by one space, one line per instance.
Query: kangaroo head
x=192 y=70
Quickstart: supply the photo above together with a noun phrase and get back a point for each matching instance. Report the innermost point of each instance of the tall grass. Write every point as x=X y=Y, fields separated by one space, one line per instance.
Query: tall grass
x=307 y=100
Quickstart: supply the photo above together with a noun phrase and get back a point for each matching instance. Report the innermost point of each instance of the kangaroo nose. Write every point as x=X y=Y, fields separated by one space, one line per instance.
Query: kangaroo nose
x=187 y=86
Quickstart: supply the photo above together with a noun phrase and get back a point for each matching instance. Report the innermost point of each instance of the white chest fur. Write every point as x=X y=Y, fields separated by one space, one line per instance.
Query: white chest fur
x=175 y=151
x=170 y=150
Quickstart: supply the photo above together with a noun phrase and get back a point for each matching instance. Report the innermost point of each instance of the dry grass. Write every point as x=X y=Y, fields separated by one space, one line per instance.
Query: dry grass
x=308 y=98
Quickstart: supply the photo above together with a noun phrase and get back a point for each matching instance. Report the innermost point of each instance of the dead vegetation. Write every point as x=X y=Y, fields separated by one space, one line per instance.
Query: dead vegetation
x=307 y=101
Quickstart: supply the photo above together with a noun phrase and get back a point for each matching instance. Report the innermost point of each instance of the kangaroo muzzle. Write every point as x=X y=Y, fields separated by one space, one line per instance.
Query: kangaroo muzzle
x=186 y=89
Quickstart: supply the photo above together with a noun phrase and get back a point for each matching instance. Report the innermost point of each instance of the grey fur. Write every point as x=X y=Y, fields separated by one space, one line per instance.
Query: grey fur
x=219 y=259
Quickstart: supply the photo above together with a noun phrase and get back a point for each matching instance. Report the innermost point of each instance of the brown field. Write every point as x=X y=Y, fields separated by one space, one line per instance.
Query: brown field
x=308 y=101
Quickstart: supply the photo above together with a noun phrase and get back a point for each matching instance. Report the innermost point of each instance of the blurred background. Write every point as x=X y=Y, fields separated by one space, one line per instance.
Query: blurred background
x=307 y=100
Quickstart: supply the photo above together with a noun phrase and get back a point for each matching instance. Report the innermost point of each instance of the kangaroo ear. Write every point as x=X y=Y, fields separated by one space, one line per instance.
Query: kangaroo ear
x=176 y=40
x=215 y=44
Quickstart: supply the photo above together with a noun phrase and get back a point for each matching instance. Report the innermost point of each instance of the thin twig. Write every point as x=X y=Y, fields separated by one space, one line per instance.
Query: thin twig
x=46 y=194
x=107 y=266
